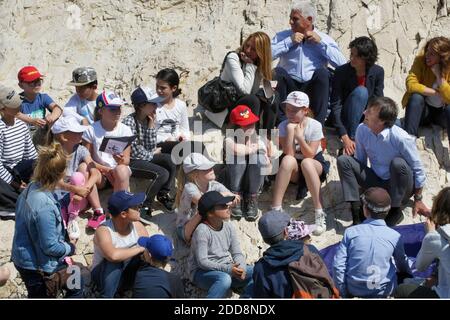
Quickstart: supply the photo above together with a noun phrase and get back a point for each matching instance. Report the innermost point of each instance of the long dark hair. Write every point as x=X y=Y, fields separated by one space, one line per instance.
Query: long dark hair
x=171 y=77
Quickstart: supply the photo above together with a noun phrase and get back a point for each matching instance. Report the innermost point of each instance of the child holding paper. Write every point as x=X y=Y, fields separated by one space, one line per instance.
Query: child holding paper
x=113 y=167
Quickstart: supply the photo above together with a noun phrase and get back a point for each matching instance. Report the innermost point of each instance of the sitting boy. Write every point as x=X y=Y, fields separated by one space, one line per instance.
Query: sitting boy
x=152 y=281
x=116 y=253
x=82 y=104
x=35 y=104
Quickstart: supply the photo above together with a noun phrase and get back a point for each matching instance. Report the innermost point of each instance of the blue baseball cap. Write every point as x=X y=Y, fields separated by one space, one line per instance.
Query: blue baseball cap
x=145 y=95
x=158 y=245
x=109 y=99
x=123 y=200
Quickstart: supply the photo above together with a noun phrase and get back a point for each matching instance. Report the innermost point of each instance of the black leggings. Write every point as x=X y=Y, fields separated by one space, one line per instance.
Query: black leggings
x=160 y=170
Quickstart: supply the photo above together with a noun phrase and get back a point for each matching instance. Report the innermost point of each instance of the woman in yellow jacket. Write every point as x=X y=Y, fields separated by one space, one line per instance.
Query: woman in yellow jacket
x=427 y=99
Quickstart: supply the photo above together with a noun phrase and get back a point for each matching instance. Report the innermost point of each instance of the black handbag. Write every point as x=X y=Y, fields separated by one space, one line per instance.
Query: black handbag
x=217 y=95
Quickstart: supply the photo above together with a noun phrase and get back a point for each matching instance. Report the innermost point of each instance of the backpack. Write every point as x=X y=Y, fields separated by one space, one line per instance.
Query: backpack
x=310 y=277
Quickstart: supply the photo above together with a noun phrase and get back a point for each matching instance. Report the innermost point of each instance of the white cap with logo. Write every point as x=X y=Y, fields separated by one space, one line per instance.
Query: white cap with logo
x=297 y=99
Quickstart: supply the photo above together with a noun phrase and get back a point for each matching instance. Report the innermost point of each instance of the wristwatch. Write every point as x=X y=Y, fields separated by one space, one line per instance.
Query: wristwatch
x=418 y=197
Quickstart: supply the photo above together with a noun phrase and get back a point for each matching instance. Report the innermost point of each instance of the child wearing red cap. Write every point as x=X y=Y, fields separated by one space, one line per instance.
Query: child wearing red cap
x=35 y=104
x=246 y=154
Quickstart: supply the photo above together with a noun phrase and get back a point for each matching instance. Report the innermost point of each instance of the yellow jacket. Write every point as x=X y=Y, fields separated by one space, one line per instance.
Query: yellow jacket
x=420 y=76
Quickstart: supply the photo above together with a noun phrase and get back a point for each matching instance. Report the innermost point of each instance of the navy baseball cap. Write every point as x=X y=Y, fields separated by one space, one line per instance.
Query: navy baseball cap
x=123 y=200
x=211 y=199
x=158 y=245
x=145 y=95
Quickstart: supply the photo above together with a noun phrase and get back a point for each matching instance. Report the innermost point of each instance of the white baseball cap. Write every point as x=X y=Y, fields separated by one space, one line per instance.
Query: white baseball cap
x=196 y=161
x=68 y=123
x=297 y=99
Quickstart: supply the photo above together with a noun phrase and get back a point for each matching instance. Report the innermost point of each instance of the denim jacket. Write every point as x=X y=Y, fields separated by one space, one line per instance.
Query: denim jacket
x=39 y=237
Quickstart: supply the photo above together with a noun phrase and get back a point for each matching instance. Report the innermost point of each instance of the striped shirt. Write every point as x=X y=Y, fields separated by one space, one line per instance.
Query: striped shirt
x=144 y=145
x=15 y=146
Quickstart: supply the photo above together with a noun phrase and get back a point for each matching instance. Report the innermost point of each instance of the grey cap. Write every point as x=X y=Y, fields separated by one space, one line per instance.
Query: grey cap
x=9 y=98
x=273 y=223
x=83 y=76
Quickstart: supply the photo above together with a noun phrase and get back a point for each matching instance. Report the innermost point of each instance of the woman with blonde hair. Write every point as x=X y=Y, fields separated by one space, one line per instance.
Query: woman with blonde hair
x=40 y=247
x=249 y=68
x=427 y=97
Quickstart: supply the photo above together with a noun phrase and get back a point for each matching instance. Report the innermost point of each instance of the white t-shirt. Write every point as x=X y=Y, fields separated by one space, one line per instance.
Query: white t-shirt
x=80 y=108
x=95 y=134
x=172 y=122
x=313 y=132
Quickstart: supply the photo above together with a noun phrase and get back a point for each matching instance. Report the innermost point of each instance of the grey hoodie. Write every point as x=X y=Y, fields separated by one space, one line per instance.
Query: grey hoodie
x=436 y=245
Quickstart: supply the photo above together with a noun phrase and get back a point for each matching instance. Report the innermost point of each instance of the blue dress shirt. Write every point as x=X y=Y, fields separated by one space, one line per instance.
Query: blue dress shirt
x=363 y=266
x=381 y=149
x=301 y=60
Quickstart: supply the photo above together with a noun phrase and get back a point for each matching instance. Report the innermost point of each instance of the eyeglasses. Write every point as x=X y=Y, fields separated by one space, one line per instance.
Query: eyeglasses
x=35 y=83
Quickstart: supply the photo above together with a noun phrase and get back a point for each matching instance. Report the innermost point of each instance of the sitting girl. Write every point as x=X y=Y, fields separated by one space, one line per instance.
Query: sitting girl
x=81 y=175
x=200 y=179
x=147 y=161
x=246 y=154
x=114 y=168
x=172 y=123
x=303 y=162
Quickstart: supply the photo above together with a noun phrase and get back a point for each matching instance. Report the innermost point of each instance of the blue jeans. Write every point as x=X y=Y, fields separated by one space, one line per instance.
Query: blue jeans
x=34 y=282
x=354 y=106
x=109 y=277
x=218 y=283
x=418 y=113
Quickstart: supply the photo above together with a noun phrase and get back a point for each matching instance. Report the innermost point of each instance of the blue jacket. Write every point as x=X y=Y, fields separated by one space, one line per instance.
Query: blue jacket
x=39 y=236
x=270 y=275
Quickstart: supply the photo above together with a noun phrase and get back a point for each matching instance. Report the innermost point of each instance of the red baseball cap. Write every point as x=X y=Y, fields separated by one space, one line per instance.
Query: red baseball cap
x=243 y=116
x=29 y=74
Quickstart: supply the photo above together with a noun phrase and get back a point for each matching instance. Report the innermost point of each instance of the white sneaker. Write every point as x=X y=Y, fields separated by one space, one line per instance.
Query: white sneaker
x=73 y=229
x=320 y=222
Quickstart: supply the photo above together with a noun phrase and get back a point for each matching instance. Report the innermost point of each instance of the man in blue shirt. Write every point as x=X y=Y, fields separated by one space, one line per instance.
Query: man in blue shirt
x=394 y=160
x=362 y=265
x=304 y=54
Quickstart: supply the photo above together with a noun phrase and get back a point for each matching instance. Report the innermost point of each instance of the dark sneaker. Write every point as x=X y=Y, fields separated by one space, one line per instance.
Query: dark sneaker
x=166 y=201
x=236 y=212
x=146 y=214
x=301 y=193
x=251 y=206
